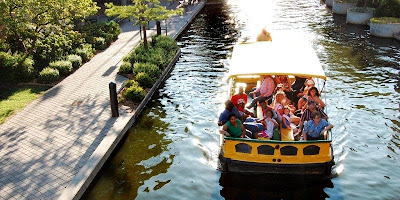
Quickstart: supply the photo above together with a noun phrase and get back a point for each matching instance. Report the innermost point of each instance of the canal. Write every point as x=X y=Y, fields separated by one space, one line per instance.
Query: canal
x=171 y=152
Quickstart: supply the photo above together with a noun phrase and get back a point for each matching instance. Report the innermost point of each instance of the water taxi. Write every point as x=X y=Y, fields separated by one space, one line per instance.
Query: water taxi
x=282 y=155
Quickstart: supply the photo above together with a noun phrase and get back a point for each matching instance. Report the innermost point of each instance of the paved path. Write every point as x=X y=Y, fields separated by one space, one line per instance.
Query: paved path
x=46 y=144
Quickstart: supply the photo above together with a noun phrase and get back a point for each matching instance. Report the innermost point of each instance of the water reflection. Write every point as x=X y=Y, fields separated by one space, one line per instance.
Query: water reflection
x=253 y=187
x=130 y=167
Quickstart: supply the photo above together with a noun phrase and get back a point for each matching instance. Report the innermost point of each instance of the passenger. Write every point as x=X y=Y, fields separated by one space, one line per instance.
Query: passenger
x=269 y=123
x=229 y=109
x=277 y=105
x=303 y=101
x=240 y=100
x=316 y=128
x=313 y=95
x=286 y=120
x=293 y=118
x=263 y=93
x=297 y=89
x=233 y=128
x=306 y=116
x=264 y=36
x=285 y=81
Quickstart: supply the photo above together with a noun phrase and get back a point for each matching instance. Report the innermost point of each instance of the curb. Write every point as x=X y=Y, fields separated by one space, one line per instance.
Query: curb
x=81 y=181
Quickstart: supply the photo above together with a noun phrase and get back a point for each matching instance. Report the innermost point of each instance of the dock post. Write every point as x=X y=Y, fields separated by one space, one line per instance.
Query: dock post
x=158 y=24
x=113 y=99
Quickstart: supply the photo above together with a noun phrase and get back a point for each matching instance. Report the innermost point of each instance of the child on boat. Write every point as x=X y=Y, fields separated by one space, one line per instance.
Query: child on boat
x=286 y=120
x=269 y=123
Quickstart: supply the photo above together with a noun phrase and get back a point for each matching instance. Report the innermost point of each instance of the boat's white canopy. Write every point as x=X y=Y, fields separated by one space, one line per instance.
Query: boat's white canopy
x=287 y=54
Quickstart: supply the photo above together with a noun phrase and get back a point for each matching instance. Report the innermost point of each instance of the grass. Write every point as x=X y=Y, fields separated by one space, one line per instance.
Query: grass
x=385 y=20
x=14 y=98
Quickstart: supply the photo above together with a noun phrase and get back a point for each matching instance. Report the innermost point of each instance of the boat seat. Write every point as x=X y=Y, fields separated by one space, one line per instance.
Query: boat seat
x=286 y=134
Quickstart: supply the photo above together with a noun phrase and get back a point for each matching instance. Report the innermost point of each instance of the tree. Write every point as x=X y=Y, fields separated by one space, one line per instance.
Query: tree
x=23 y=21
x=141 y=12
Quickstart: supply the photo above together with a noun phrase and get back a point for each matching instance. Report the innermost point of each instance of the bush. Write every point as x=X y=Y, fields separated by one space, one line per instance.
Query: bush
x=63 y=66
x=15 y=67
x=388 y=8
x=144 y=80
x=153 y=55
x=49 y=75
x=135 y=93
x=129 y=83
x=166 y=43
x=100 y=43
x=113 y=28
x=125 y=68
x=75 y=60
x=149 y=68
x=86 y=52
x=129 y=58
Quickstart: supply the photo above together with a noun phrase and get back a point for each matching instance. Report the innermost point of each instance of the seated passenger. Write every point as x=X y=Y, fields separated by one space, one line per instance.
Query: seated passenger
x=313 y=95
x=269 y=123
x=315 y=128
x=293 y=118
x=304 y=96
x=264 y=36
x=306 y=116
x=286 y=120
x=233 y=128
x=277 y=105
x=229 y=109
x=284 y=80
x=240 y=100
x=263 y=93
x=297 y=90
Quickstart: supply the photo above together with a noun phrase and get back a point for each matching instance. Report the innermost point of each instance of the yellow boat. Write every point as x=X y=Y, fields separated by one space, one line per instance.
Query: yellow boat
x=282 y=56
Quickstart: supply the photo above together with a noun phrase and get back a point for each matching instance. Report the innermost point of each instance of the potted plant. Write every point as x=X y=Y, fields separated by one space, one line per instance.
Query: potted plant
x=341 y=6
x=387 y=22
x=360 y=15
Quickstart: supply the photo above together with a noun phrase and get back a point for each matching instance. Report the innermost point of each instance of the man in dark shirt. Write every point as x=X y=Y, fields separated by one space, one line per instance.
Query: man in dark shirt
x=229 y=109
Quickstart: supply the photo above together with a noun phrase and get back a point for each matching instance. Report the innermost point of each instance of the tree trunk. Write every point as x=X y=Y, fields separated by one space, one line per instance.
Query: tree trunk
x=144 y=37
x=365 y=5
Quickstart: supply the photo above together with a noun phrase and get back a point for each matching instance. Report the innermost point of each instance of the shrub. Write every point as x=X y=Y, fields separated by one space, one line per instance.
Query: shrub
x=135 y=93
x=109 y=38
x=63 y=66
x=125 y=68
x=166 y=43
x=149 y=68
x=388 y=8
x=86 y=52
x=100 y=43
x=49 y=75
x=129 y=83
x=144 y=80
x=75 y=60
x=15 y=67
x=113 y=28
x=129 y=58
x=153 y=55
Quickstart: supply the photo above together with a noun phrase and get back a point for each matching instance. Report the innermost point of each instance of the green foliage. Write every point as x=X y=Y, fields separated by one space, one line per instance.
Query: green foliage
x=125 y=68
x=166 y=43
x=153 y=55
x=15 y=67
x=135 y=93
x=86 y=52
x=129 y=83
x=100 y=43
x=144 y=80
x=24 y=21
x=148 y=68
x=54 y=45
x=109 y=31
x=63 y=66
x=388 y=8
x=75 y=60
x=49 y=75
x=385 y=20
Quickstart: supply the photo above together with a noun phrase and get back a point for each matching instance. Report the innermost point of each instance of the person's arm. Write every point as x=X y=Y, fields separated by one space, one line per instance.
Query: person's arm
x=305 y=131
x=224 y=131
x=243 y=131
x=274 y=121
x=321 y=104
